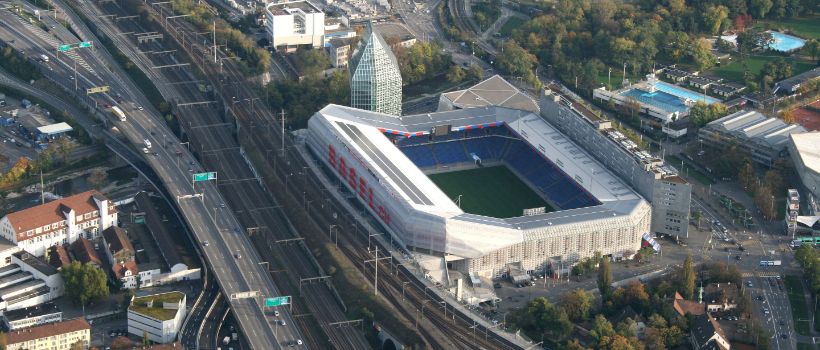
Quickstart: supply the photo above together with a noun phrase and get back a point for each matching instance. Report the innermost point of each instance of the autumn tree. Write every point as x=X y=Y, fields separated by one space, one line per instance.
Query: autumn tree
x=577 y=304
x=687 y=278
x=98 y=178
x=516 y=61
x=121 y=343
x=787 y=116
x=701 y=54
x=455 y=74
x=715 y=18
x=747 y=177
x=601 y=328
x=605 y=279
x=764 y=200
x=627 y=328
x=812 y=48
x=542 y=317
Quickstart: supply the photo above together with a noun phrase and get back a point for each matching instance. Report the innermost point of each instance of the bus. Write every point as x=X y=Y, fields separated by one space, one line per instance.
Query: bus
x=118 y=112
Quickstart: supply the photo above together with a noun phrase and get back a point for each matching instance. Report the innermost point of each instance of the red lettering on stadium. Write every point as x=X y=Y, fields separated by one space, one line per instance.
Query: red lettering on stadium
x=363 y=188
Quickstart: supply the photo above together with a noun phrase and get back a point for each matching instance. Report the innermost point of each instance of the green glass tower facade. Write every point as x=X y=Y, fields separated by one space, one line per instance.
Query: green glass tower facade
x=375 y=80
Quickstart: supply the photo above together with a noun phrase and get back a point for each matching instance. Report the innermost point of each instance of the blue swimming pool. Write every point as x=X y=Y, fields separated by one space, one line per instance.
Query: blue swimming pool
x=684 y=93
x=785 y=43
x=659 y=99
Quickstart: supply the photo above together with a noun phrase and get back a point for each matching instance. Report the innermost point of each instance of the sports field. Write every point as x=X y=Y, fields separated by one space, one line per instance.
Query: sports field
x=493 y=191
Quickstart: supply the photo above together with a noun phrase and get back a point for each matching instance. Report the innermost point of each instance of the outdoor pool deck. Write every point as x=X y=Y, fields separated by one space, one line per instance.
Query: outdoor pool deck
x=668 y=97
x=785 y=43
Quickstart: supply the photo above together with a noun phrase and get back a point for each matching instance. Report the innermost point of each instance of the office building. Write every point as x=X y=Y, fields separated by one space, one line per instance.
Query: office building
x=375 y=79
x=294 y=23
x=160 y=316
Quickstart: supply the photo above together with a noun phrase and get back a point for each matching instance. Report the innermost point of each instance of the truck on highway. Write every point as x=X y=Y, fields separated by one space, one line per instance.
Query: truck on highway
x=226 y=340
x=146 y=143
x=118 y=113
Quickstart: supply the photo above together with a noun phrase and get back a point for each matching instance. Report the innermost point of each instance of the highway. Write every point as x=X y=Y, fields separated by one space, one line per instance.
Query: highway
x=234 y=275
x=212 y=139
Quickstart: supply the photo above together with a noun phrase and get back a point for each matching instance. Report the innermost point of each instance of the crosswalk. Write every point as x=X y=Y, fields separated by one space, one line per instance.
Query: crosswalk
x=51 y=40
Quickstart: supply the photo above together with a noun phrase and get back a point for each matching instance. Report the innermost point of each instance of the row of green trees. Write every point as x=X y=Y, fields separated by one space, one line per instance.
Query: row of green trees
x=421 y=61
x=18 y=65
x=809 y=260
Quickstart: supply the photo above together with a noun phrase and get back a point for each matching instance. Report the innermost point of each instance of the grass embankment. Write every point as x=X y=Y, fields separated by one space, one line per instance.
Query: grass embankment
x=807 y=27
x=734 y=70
x=511 y=24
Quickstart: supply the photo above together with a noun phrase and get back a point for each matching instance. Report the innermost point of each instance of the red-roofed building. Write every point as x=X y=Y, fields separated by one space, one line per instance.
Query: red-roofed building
x=126 y=273
x=61 y=221
x=119 y=248
x=84 y=252
x=683 y=306
x=56 y=336
x=57 y=256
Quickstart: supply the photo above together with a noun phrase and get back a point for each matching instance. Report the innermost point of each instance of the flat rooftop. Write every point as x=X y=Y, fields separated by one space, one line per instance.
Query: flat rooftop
x=285 y=8
x=36 y=263
x=140 y=305
x=393 y=30
x=34 y=311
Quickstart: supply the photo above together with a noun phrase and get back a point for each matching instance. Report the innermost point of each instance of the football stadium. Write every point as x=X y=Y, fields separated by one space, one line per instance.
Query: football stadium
x=483 y=189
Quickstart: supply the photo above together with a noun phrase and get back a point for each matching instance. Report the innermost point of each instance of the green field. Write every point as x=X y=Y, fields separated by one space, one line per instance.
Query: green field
x=493 y=191
x=734 y=71
x=511 y=24
x=805 y=27
x=798 y=303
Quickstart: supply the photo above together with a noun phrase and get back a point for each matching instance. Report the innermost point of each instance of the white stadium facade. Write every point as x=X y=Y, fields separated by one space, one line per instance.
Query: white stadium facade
x=384 y=160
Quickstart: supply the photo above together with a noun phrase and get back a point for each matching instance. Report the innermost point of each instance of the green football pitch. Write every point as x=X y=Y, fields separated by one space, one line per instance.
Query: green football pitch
x=493 y=191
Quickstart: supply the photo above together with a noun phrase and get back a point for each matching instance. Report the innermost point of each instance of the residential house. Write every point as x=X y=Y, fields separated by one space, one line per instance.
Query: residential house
x=128 y=273
x=702 y=82
x=727 y=89
x=706 y=334
x=57 y=256
x=720 y=296
x=84 y=252
x=339 y=51
x=676 y=75
x=53 y=336
x=118 y=247
x=61 y=221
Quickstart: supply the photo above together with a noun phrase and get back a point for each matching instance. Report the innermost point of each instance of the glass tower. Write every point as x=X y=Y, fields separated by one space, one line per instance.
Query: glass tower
x=375 y=80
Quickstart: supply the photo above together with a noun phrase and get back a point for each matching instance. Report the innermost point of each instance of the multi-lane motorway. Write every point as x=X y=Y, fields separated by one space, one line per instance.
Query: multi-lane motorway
x=235 y=275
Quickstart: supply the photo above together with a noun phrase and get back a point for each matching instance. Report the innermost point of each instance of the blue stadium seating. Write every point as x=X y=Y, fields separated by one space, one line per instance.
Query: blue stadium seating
x=541 y=173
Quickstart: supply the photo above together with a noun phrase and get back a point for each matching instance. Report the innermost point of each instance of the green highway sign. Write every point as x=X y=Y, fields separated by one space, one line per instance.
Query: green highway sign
x=83 y=44
x=64 y=48
x=278 y=301
x=205 y=176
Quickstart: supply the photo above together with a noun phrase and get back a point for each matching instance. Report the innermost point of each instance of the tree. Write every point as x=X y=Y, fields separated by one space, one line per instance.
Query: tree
x=747 y=177
x=812 y=48
x=636 y=295
x=605 y=279
x=702 y=54
x=64 y=147
x=632 y=108
x=759 y=8
x=656 y=321
x=310 y=62
x=601 y=328
x=475 y=72
x=121 y=343
x=84 y=283
x=516 y=61
x=653 y=339
x=574 y=345
x=774 y=181
x=98 y=178
x=806 y=255
x=715 y=18
x=542 y=317
x=77 y=345
x=615 y=342
x=677 y=45
x=687 y=278
x=577 y=304
x=145 y=340
x=764 y=199
x=701 y=113
x=455 y=74
x=627 y=328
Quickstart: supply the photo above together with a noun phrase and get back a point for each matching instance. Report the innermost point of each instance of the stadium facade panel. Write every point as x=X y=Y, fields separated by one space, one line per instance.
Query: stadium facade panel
x=362 y=150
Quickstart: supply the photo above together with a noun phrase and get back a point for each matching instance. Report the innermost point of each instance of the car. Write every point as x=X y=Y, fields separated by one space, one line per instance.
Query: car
x=276 y=313
x=766 y=311
x=140 y=108
x=298 y=341
x=282 y=322
x=205 y=243
x=741 y=248
x=222 y=205
x=237 y=255
x=784 y=336
x=737 y=257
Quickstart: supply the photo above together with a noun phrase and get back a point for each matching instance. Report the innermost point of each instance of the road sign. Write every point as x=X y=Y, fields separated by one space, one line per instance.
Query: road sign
x=205 y=176
x=278 y=301
x=97 y=89
x=84 y=44
x=64 y=48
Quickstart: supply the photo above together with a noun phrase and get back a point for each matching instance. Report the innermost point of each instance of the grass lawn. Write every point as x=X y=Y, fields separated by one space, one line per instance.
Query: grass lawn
x=511 y=24
x=617 y=78
x=798 y=303
x=493 y=191
x=734 y=70
x=808 y=27
x=156 y=310
x=434 y=85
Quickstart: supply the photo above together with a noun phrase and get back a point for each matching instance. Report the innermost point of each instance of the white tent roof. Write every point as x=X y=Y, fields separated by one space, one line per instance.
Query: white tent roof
x=53 y=129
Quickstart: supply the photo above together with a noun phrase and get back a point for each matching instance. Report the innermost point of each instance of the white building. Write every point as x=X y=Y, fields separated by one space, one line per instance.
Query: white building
x=295 y=23
x=158 y=315
x=32 y=316
x=54 y=336
x=804 y=150
x=61 y=221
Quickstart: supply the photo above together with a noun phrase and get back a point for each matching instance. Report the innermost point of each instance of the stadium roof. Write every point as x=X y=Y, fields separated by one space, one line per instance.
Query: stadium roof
x=363 y=131
x=493 y=91
x=808 y=149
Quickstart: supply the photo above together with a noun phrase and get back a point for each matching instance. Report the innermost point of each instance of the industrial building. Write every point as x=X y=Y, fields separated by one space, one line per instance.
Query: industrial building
x=764 y=139
x=294 y=23
x=375 y=79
